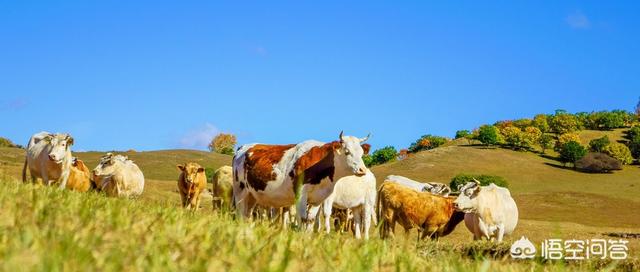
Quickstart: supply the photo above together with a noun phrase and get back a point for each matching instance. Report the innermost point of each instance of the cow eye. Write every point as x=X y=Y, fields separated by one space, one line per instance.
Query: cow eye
x=347 y=152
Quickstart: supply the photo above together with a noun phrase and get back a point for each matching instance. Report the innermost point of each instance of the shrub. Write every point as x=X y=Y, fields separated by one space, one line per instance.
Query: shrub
x=489 y=135
x=620 y=152
x=634 y=147
x=571 y=152
x=382 y=155
x=223 y=143
x=598 y=145
x=462 y=134
x=485 y=180
x=427 y=142
x=596 y=162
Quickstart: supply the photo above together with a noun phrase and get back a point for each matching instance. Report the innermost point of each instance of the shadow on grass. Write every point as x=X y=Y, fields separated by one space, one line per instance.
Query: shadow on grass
x=576 y=169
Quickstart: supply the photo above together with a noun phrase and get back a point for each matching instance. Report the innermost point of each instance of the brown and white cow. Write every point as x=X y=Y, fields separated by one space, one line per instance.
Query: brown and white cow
x=302 y=174
x=191 y=182
x=434 y=214
x=79 y=177
x=49 y=158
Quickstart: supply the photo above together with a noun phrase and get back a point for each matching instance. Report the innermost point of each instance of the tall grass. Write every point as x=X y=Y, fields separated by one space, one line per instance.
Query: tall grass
x=46 y=229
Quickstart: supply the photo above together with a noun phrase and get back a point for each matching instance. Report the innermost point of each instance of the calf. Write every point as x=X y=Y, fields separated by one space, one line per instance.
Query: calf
x=79 y=177
x=434 y=214
x=222 y=181
x=191 y=182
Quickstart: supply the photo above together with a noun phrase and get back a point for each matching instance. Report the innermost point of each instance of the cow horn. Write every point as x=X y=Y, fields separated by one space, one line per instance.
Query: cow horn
x=341 y=139
x=476 y=181
x=365 y=138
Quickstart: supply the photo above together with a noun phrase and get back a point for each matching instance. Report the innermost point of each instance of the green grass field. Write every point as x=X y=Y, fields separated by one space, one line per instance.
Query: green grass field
x=46 y=229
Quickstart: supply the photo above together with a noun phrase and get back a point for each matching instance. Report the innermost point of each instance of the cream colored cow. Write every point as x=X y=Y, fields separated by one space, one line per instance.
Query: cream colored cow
x=118 y=176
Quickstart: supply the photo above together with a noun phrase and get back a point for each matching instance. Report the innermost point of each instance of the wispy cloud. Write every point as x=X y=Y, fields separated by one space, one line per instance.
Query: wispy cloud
x=578 y=20
x=198 y=138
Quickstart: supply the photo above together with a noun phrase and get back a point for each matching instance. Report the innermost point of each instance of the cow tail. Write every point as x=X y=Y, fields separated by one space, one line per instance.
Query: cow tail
x=24 y=171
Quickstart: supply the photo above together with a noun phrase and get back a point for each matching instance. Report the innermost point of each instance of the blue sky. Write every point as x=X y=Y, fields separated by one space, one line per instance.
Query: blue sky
x=157 y=74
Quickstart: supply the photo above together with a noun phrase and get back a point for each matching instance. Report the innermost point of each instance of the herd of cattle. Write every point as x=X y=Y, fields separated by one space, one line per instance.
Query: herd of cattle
x=291 y=183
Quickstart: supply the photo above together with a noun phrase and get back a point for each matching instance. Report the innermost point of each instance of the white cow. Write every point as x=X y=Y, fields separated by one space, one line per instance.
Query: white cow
x=490 y=210
x=430 y=187
x=355 y=193
x=118 y=176
x=49 y=158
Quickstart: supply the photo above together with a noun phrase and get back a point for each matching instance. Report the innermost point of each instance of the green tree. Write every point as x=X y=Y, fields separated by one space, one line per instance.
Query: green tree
x=571 y=152
x=462 y=134
x=565 y=138
x=598 y=145
x=546 y=142
x=619 y=152
x=484 y=180
x=489 y=135
x=634 y=147
x=383 y=155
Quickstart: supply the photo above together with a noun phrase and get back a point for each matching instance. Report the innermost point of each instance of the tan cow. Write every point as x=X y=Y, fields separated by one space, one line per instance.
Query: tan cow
x=79 y=177
x=434 y=214
x=191 y=183
x=222 y=181
x=118 y=176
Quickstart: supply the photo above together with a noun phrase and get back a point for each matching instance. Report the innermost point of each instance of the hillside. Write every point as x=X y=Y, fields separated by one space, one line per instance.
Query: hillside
x=543 y=189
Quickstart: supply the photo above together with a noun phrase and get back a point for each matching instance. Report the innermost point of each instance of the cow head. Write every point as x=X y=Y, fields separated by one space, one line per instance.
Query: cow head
x=108 y=164
x=190 y=171
x=349 y=154
x=60 y=144
x=467 y=201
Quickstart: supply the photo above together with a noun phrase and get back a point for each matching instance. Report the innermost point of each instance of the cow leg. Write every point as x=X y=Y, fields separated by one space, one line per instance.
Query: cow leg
x=327 y=208
x=357 y=220
x=313 y=213
x=500 y=232
x=367 y=215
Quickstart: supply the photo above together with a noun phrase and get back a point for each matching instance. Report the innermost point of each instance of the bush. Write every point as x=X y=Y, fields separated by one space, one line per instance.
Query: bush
x=620 y=152
x=598 y=145
x=485 y=180
x=634 y=147
x=489 y=135
x=427 y=142
x=572 y=152
x=382 y=155
x=596 y=162
x=462 y=134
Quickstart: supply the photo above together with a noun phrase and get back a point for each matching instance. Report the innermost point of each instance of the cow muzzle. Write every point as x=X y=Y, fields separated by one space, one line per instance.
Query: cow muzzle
x=361 y=172
x=54 y=158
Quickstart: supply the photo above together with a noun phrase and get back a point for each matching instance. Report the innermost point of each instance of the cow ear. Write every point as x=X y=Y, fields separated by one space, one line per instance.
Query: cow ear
x=366 y=148
x=200 y=170
x=180 y=167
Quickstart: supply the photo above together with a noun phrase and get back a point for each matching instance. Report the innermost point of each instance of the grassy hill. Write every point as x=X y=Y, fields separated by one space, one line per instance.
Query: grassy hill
x=554 y=202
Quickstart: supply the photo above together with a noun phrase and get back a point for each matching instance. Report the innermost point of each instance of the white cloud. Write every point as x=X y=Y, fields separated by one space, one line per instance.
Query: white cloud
x=198 y=138
x=578 y=20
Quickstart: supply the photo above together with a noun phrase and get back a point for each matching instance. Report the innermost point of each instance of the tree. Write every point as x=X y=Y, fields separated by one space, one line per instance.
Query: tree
x=512 y=136
x=541 y=121
x=427 y=142
x=523 y=123
x=546 y=142
x=563 y=122
x=489 y=135
x=598 y=163
x=565 y=138
x=383 y=155
x=634 y=147
x=530 y=136
x=598 y=145
x=571 y=152
x=619 y=152
x=462 y=134
x=638 y=109
x=223 y=143
x=4 y=142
